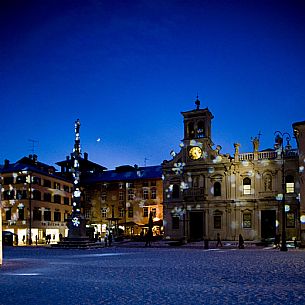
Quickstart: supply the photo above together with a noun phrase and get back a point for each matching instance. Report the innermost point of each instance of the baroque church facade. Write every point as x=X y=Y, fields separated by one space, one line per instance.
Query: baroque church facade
x=207 y=192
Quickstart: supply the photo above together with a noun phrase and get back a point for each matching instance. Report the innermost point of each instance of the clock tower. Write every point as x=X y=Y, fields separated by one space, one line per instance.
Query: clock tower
x=197 y=131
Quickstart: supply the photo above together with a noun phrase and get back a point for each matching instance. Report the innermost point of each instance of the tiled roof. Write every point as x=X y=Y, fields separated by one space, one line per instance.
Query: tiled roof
x=130 y=174
x=24 y=165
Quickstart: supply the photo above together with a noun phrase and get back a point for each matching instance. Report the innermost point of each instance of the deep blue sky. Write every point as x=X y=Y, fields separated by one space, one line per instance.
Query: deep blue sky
x=127 y=69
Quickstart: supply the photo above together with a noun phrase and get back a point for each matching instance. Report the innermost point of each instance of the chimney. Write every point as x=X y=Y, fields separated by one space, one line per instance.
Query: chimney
x=6 y=163
x=35 y=158
x=86 y=156
x=30 y=157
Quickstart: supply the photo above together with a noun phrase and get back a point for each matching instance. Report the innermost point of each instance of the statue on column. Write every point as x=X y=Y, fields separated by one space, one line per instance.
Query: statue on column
x=255 y=143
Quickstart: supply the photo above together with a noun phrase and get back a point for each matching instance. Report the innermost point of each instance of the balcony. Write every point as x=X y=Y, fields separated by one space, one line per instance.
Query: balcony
x=194 y=194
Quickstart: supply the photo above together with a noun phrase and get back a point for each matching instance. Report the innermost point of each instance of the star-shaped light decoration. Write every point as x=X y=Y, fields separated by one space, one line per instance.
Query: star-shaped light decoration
x=178 y=168
x=75 y=222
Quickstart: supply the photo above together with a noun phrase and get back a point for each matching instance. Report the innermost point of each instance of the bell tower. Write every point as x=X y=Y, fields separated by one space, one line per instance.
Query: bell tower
x=197 y=127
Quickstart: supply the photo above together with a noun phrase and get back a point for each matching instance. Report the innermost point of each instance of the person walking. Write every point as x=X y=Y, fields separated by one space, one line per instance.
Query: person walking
x=218 y=241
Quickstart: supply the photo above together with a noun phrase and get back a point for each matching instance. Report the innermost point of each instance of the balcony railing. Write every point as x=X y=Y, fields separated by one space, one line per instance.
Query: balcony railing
x=266 y=155
x=193 y=192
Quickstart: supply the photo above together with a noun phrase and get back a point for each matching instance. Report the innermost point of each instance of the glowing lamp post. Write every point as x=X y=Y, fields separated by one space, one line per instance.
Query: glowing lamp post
x=77 y=223
x=280 y=145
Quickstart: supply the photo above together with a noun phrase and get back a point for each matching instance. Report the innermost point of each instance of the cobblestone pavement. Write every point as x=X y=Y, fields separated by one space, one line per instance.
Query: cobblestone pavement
x=164 y=275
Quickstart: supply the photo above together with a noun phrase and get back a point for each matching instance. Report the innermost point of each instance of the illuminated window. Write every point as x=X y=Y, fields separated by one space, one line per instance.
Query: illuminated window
x=21 y=213
x=104 y=212
x=176 y=191
x=121 y=212
x=247 y=220
x=145 y=194
x=153 y=193
x=57 y=185
x=145 y=212
x=130 y=194
x=47 y=215
x=217 y=189
x=121 y=186
x=130 y=185
x=130 y=212
x=290 y=220
x=104 y=196
x=247 y=186
x=87 y=213
x=217 y=221
x=175 y=222
x=289 y=184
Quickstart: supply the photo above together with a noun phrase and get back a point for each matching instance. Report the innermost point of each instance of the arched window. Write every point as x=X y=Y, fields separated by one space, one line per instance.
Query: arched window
x=217 y=189
x=195 y=182
x=289 y=184
x=200 y=129
x=247 y=186
x=268 y=182
x=191 y=130
x=176 y=191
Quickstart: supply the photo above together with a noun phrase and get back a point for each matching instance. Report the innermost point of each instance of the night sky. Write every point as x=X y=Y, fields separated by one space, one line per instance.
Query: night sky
x=127 y=69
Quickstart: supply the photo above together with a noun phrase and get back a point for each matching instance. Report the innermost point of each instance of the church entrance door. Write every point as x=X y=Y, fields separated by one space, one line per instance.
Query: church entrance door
x=268 y=228
x=196 y=226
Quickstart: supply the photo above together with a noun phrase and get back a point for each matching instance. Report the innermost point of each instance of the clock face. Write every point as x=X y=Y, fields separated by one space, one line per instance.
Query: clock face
x=195 y=153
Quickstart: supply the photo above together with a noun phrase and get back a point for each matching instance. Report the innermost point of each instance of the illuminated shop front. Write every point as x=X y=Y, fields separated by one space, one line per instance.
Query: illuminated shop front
x=35 y=199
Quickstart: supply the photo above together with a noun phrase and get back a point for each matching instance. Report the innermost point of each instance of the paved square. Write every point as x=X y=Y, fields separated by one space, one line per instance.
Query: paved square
x=152 y=276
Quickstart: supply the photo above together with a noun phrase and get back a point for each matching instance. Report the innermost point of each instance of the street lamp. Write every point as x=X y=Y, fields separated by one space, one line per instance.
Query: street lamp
x=280 y=145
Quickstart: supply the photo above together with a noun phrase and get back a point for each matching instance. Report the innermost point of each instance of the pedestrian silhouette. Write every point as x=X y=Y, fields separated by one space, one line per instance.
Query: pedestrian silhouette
x=277 y=240
x=241 y=242
x=149 y=233
x=218 y=240
x=109 y=239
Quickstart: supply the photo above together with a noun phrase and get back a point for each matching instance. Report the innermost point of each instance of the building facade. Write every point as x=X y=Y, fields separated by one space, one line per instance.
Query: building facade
x=299 y=133
x=36 y=201
x=207 y=192
x=121 y=200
